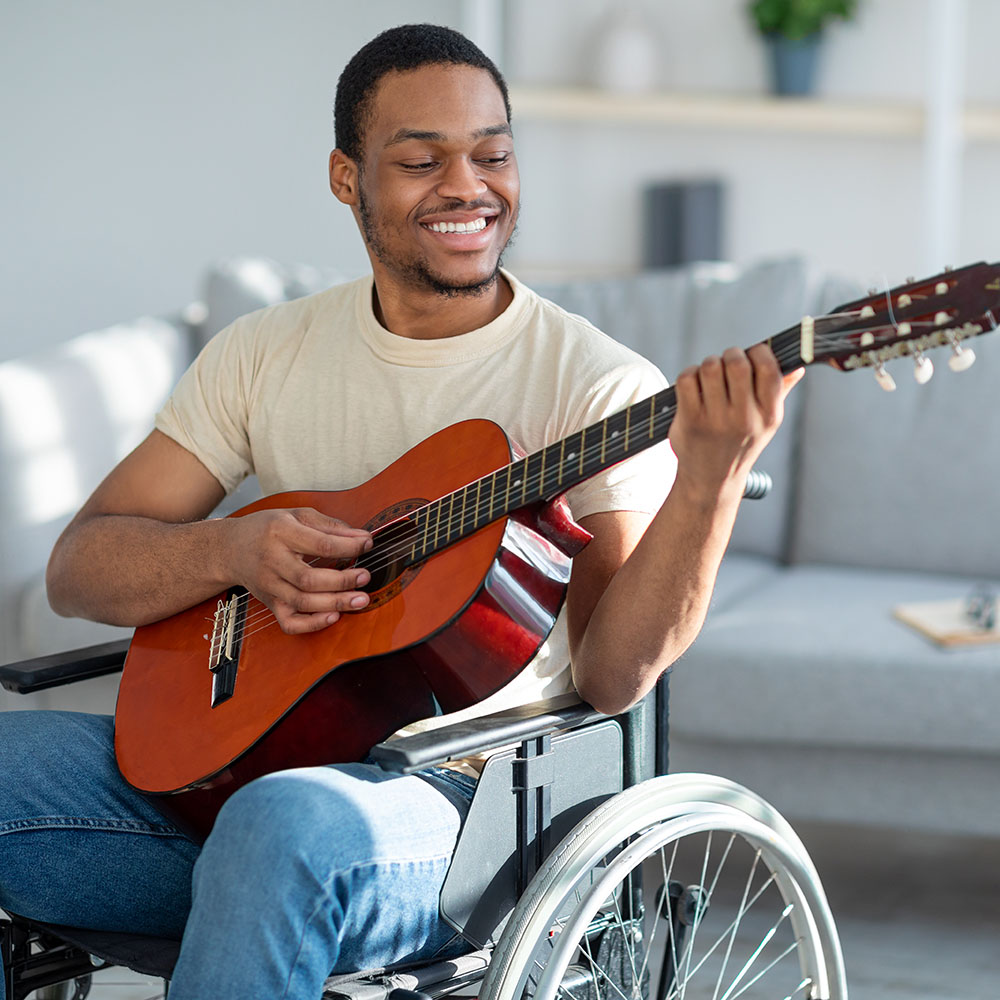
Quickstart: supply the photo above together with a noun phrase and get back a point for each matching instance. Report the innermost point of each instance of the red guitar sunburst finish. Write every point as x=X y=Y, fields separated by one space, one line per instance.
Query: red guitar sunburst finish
x=453 y=629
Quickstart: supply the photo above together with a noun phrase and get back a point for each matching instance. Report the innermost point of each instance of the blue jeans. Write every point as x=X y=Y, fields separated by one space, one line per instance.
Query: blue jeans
x=305 y=872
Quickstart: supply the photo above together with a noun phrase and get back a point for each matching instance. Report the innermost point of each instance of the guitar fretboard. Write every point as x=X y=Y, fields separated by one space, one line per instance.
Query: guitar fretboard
x=543 y=475
x=557 y=467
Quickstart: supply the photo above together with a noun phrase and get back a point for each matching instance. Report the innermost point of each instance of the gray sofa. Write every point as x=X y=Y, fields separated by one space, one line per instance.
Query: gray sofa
x=802 y=685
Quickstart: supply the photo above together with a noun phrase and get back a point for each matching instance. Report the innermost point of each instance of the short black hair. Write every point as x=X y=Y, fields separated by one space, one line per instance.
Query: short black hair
x=405 y=47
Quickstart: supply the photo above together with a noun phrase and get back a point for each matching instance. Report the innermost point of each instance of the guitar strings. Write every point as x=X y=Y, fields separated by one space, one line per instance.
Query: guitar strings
x=385 y=557
x=391 y=554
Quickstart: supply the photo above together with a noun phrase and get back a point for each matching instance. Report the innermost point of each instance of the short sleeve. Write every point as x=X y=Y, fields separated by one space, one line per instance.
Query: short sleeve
x=640 y=483
x=208 y=412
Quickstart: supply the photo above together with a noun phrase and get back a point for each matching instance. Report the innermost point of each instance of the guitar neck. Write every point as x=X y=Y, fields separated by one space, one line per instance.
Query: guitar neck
x=545 y=474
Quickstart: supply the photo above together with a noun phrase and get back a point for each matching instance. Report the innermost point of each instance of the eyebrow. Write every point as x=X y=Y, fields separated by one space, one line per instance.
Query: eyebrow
x=405 y=134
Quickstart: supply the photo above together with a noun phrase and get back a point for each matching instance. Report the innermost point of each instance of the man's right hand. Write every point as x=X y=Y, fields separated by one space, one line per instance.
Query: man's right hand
x=141 y=550
x=284 y=558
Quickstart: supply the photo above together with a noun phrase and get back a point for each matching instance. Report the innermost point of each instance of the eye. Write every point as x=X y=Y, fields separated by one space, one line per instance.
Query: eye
x=423 y=165
x=495 y=161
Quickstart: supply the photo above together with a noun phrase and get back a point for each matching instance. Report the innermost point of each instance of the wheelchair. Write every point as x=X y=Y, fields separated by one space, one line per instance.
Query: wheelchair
x=584 y=871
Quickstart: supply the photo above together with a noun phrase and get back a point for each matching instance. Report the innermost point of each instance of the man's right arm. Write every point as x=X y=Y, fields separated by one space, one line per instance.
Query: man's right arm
x=141 y=550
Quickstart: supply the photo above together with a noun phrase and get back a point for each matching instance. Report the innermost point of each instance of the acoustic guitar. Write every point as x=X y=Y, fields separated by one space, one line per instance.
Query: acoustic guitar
x=471 y=558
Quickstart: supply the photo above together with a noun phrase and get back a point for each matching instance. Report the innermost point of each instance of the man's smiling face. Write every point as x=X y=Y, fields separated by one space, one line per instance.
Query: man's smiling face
x=438 y=182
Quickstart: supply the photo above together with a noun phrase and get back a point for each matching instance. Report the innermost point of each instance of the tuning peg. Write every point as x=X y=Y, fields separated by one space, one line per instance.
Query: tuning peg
x=923 y=369
x=962 y=358
x=903 y=301
x=884 y=379
x=941 y=288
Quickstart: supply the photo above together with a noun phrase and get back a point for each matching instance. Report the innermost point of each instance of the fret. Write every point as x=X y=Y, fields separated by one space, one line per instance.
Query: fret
x=548 y=471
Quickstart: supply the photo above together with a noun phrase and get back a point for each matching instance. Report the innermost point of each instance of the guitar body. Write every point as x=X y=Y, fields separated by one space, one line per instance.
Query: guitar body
x=449 y=631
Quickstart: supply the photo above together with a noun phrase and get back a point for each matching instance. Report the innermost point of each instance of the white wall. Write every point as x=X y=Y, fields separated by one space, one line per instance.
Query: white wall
x=143 y=140
x=854 y=205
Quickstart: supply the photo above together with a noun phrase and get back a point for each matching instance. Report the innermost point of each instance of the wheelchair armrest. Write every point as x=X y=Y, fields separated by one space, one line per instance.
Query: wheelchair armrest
x=64 y=668
x=487 y=732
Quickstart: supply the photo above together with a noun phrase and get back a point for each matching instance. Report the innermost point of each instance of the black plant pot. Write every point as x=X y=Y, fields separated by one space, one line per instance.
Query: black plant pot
x=793 y=64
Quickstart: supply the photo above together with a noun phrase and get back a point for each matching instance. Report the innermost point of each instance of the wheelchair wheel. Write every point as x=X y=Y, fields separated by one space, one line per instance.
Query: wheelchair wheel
x=681 y=888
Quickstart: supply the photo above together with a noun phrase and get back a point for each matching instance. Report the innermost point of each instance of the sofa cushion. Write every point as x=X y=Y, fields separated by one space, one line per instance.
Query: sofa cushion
x=67 y=416
x=813 y=656
x=741 y=574
x=906 y=479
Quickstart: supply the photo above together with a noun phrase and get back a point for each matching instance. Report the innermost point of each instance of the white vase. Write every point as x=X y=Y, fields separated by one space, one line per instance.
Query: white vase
x=627 y=53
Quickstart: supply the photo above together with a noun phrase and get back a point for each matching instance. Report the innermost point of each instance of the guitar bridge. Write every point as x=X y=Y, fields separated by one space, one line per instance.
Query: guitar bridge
x=226 y=641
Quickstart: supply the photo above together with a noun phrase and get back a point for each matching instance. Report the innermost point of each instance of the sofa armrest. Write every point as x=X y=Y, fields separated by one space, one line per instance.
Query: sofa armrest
x=488 y=732
x=50 y=671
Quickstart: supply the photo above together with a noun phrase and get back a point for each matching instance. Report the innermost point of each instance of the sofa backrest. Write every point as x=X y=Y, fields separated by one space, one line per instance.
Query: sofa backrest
x=905 y=480
x=678 y=317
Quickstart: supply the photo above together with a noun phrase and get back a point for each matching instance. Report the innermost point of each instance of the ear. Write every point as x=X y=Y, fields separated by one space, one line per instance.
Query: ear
x=343 y=177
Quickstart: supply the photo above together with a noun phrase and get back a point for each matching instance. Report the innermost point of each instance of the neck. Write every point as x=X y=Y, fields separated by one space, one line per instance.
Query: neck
x=430 y=315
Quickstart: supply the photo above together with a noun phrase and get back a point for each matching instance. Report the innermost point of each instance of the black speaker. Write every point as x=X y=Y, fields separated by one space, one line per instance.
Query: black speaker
x=682 y=222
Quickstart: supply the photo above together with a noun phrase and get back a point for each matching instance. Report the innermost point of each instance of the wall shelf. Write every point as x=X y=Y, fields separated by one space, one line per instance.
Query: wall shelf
x=805 y=116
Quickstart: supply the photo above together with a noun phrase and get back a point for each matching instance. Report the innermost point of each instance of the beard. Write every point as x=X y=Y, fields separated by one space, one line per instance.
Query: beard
x=416 y=269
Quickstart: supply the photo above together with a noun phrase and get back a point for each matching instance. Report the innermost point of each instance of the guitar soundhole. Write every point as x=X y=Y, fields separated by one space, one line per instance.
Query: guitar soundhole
x=395 y=537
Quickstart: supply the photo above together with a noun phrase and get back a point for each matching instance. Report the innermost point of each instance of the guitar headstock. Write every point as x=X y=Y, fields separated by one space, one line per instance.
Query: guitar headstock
x=942 y=311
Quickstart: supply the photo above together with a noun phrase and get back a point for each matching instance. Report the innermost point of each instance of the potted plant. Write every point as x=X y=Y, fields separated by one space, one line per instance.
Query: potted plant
x=793 y=30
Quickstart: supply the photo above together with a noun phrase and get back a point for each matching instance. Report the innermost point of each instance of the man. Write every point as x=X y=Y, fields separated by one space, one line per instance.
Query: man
x=312 y=870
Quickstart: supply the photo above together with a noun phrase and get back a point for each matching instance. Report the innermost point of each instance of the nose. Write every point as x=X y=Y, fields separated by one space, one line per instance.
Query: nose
x=461 y=181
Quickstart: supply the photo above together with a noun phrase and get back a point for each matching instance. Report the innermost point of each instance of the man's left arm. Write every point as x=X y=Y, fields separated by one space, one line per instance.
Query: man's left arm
x=640 y=590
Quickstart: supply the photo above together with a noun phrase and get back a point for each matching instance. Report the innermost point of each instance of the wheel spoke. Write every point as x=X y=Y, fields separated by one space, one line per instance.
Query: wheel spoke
x=626 y=936
x=593 y=965
x=763 y=972
x=756 y=952
x=699 y=911
x=798 y=989
x=708 y=954
x=735 y=925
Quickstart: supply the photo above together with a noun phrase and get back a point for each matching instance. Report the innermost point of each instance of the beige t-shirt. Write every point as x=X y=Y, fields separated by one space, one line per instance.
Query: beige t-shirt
x=315 y=394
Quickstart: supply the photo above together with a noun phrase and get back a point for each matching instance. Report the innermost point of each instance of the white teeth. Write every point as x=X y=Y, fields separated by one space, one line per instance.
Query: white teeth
x=458 y=227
